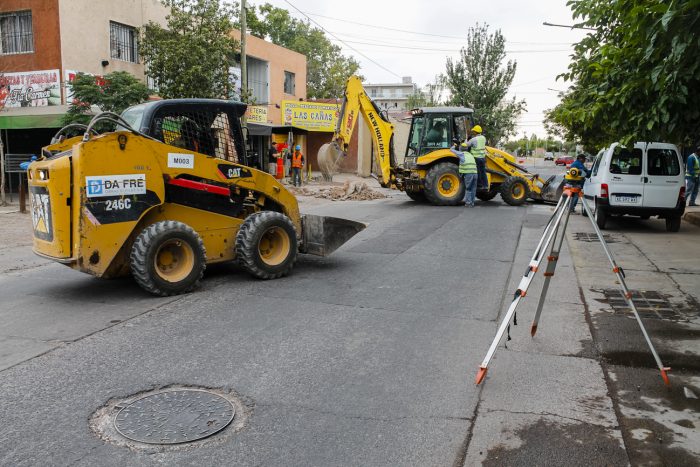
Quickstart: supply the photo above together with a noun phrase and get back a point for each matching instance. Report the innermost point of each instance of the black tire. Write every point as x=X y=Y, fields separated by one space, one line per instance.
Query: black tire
x=440 y=188
x=266 y=245
x=168 y=258
x=644 y=218
x=487 y=195
x=673 y=223
x=601 y=216
x=515 y=191
x=417 y=196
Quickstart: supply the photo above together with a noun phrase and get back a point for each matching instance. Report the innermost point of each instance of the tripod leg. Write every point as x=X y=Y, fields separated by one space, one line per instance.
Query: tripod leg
x=628 y=296
x=521 y=291
x=551 y=267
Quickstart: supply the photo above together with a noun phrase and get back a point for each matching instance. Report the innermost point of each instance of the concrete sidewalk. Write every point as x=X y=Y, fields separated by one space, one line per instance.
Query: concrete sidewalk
x=692 y=215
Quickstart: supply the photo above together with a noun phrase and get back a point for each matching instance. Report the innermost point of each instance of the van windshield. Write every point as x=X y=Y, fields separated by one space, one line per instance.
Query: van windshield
x=625 y=161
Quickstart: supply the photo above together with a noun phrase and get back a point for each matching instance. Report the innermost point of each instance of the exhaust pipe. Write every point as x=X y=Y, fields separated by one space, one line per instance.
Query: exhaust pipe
x=322 y=235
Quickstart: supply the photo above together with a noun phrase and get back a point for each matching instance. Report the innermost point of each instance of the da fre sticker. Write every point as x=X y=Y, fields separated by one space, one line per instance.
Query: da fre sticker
x=41 y=213
x=180 y=161
x=115 y=185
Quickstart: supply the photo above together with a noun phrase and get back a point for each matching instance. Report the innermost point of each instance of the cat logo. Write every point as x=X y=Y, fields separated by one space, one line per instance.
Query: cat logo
x=41 y=213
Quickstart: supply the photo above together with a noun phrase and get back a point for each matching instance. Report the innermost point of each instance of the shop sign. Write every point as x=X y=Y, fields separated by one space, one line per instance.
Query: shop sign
x=31 y=88
x=69 y=77
x=311 y=116
x=256 y=113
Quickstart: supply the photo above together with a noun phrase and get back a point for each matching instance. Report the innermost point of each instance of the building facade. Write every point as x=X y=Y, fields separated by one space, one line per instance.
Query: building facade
x=392 y=96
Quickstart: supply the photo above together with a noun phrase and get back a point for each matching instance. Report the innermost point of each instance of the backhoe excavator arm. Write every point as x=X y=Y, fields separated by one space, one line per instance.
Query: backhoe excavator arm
x=357 y=103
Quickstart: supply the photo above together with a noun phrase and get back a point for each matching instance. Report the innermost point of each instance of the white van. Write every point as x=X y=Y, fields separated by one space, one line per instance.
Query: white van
x=646 y=180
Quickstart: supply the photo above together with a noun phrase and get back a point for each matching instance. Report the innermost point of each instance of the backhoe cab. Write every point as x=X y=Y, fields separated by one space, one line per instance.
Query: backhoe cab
x=165 y=195
x=430 y=170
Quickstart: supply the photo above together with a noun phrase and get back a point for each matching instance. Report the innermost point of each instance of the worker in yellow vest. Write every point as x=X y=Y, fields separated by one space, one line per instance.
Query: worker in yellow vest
x=468 y=172
x=477 y=146
x=297 y=164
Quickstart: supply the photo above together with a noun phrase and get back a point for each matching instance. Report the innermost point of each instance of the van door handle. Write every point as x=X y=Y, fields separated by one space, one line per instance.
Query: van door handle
x=645 y=179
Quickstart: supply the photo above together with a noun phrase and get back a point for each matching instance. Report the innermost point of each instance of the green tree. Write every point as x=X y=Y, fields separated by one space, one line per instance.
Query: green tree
x=636 y=76
x=327 y=69
x=191 y=56
x=479 y=80
x=113 y=93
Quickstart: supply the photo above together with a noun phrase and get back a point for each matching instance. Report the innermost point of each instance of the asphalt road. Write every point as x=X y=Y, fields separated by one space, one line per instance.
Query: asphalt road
x=367 y=357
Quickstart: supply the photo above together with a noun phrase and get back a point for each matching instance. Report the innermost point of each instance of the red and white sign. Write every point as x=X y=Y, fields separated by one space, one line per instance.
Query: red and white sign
x=31 y=89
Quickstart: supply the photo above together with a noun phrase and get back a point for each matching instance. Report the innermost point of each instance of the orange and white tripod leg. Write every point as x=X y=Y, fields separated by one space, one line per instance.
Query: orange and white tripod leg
x=628 y=295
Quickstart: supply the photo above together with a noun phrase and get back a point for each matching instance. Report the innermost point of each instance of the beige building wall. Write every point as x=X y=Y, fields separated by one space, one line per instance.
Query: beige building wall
x=279 y=60
x=85 y=32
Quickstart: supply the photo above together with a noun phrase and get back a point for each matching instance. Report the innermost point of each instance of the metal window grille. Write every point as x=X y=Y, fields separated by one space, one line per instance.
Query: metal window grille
x=203 y=132
x=16 y=36
x=123 y=42
x=289 y=84
x=258 y=80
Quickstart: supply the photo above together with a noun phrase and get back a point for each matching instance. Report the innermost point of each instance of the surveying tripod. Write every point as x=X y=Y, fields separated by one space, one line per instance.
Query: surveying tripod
x=553 y=235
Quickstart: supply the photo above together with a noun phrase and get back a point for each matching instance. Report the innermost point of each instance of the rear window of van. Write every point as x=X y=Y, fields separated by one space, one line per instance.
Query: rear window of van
x=663 y=162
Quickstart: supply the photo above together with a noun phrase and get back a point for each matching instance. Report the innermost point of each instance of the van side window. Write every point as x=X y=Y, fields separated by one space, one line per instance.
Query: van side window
x=596 y=164
x=663 y=162
x=626 y=162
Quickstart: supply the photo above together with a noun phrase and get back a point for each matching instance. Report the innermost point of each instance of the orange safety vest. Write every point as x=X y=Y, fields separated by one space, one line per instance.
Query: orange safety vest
x=296 y=159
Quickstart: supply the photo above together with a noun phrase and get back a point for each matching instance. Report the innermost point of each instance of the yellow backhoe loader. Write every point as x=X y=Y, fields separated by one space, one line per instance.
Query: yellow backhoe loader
x=430 y=170
x=167 y=193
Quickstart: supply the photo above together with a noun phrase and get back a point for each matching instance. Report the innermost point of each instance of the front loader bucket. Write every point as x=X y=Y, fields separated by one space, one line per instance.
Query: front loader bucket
x=551 y=192
x=322 y=235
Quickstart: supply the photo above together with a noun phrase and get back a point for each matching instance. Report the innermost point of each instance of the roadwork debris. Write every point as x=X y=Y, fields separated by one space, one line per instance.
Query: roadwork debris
x=350 y=191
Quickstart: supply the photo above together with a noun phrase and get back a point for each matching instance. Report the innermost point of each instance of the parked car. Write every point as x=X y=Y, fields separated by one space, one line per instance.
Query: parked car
x=645 y=180
x=549 y=156
x=564 y=160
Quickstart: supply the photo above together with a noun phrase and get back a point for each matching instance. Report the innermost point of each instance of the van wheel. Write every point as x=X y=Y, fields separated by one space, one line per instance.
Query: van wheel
x=644 y=218
x=168 y=258
x=673 y=224
x=601 y=216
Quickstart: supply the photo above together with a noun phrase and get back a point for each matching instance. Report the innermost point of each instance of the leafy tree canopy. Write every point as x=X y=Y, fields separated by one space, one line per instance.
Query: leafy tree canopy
x=636 y=77
x=113 y=93
x=190 y=57
x=327 y=68
x=479 y=80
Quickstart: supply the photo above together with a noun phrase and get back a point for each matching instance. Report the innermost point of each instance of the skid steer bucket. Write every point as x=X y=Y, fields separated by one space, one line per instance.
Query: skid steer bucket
x=322 y=235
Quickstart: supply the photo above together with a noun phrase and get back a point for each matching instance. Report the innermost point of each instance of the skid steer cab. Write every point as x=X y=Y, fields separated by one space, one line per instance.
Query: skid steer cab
x=167 y=193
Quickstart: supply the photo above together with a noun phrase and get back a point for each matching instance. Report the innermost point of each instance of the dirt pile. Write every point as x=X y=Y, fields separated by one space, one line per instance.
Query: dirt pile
x=350 y=191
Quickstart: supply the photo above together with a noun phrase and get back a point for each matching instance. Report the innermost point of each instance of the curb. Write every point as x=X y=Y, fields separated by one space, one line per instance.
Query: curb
x=692 y=217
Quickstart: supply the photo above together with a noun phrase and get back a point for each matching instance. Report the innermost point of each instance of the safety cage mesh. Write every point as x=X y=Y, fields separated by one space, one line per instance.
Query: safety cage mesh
x=205 y=132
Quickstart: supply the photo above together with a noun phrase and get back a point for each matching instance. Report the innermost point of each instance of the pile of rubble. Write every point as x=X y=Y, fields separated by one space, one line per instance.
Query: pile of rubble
x=350 y=191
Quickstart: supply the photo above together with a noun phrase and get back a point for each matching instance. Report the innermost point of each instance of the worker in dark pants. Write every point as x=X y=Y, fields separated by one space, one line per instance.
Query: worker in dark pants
x=477 y=146
x=579 y=164
x=297 y=164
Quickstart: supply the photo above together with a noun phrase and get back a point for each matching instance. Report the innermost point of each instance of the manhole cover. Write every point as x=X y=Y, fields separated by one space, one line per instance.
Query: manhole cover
x=592 y=237
x=176 y=416
x=649 y=303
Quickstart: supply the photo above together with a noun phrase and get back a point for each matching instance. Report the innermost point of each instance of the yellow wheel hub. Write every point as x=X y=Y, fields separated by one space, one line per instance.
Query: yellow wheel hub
x=174 y=260
x=274 y=246
x=448 y=185
x=518 y=191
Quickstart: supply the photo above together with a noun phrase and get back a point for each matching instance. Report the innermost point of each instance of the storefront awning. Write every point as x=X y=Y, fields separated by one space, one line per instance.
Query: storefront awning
x=262 y=129
x=23 y=118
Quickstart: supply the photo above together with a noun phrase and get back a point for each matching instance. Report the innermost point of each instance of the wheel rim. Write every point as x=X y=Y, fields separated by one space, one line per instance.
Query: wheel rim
x=448 y=185
x=274 y=246
x=518 y=191
x=174 y=260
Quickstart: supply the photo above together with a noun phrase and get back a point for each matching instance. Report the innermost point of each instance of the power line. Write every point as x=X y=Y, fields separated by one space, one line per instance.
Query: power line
x=384 y=44
x=341 y=41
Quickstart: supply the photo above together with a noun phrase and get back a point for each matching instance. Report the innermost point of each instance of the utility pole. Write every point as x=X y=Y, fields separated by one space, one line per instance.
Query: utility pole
x=244 y=65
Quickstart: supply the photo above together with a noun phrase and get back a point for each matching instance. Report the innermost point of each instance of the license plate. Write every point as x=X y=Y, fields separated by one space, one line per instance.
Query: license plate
x=626 y=199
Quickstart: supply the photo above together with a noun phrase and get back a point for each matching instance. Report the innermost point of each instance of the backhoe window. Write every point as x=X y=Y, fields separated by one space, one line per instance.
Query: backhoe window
x=437 y=133
x=461 y=124
x=414 y=138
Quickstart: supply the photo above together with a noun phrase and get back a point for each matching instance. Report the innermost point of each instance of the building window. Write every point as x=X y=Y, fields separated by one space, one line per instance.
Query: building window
x=16 y=35
x=258 y=83
x=289 y=84
x=123 y=42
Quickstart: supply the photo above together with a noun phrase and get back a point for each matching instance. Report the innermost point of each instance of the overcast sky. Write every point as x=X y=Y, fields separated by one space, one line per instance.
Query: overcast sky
x=439 y=30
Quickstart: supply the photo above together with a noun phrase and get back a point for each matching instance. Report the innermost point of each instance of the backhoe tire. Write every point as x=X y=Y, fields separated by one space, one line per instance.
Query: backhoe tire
x=443 y=185
x=487 y=195
x=417 y=196
x=515 y=191
x=168 y=258
x=266 y=245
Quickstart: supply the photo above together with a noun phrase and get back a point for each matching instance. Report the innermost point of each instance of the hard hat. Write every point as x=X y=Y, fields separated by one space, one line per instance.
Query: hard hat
x=477 y=129
x=298 y=148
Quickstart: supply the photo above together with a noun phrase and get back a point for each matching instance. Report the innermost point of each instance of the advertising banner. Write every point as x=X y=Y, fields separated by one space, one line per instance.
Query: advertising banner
x=256 y=113
x=31 y=88
x=69 y=76
x=311 y=116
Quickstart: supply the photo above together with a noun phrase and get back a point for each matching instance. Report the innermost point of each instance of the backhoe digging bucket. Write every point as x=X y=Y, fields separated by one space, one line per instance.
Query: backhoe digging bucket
x=322 y=235
x=551 y=192
x=328 y=159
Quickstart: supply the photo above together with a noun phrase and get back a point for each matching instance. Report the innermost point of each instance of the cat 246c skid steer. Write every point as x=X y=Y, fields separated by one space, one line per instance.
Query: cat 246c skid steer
x=167 y=193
